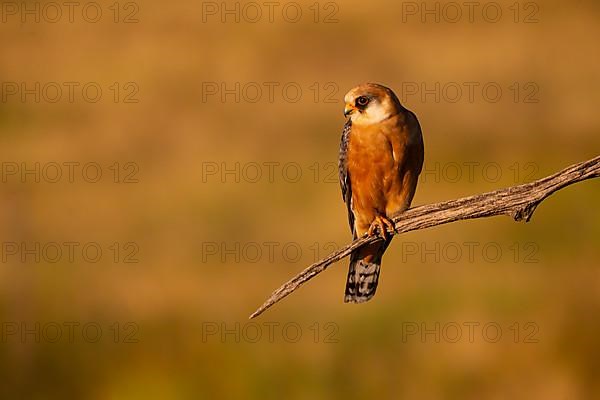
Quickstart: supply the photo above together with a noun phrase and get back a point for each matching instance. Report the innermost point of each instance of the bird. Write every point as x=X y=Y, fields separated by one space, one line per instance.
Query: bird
x=380 y=159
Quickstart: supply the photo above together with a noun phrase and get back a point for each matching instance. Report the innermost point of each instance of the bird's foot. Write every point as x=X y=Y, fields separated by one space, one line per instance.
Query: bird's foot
x=382 y=223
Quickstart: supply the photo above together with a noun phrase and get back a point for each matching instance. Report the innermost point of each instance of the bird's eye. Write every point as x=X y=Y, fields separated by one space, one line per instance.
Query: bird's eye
x=362 y=101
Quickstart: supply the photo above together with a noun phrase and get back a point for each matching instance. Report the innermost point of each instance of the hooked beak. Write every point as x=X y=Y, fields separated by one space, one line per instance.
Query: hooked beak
x=349 y=109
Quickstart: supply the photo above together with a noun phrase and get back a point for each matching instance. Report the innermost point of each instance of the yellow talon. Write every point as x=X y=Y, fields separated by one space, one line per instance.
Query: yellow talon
x=383 y=223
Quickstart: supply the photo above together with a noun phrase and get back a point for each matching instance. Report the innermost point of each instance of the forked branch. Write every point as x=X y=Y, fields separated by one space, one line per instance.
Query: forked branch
x=519 y=202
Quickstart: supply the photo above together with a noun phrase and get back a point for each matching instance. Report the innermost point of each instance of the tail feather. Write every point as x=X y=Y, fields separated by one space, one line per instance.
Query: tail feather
x=363 y=273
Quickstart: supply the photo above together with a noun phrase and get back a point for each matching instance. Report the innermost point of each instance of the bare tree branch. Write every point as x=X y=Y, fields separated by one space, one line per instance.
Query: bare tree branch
x=519 y=202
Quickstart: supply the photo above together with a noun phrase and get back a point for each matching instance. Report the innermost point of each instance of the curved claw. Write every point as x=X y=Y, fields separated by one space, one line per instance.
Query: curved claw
x=382 y=223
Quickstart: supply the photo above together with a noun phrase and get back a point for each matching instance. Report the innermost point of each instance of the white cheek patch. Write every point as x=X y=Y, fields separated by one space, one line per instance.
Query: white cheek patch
x=377 y=114
x=372 y=115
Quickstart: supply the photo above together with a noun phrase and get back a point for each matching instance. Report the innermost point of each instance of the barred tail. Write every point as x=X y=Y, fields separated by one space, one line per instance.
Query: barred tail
x=365 y=264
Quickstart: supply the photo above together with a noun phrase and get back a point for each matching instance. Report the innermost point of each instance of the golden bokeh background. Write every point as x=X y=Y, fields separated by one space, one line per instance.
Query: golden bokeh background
x=219 y=190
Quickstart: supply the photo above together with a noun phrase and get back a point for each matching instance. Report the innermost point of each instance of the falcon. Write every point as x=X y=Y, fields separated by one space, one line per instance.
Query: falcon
x=381 y=156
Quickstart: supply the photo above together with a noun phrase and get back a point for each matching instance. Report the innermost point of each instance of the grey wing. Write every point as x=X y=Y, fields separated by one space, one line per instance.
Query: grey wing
x=345 y=176
x=415 y=128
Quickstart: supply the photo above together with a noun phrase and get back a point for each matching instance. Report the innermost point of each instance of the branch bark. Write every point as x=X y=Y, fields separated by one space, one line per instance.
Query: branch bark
x=519 y=202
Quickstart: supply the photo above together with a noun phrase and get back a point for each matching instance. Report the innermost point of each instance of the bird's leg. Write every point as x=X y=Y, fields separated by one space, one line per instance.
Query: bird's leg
x=381 y=222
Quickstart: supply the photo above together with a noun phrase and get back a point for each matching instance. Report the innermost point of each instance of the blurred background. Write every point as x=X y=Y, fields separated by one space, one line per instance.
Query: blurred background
x=166 y=166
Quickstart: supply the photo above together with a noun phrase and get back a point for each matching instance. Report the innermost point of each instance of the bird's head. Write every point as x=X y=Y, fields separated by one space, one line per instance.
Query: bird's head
x=370 y=103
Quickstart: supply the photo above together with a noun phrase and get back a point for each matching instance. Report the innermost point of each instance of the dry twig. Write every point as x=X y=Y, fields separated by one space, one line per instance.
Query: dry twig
x=518 y=202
